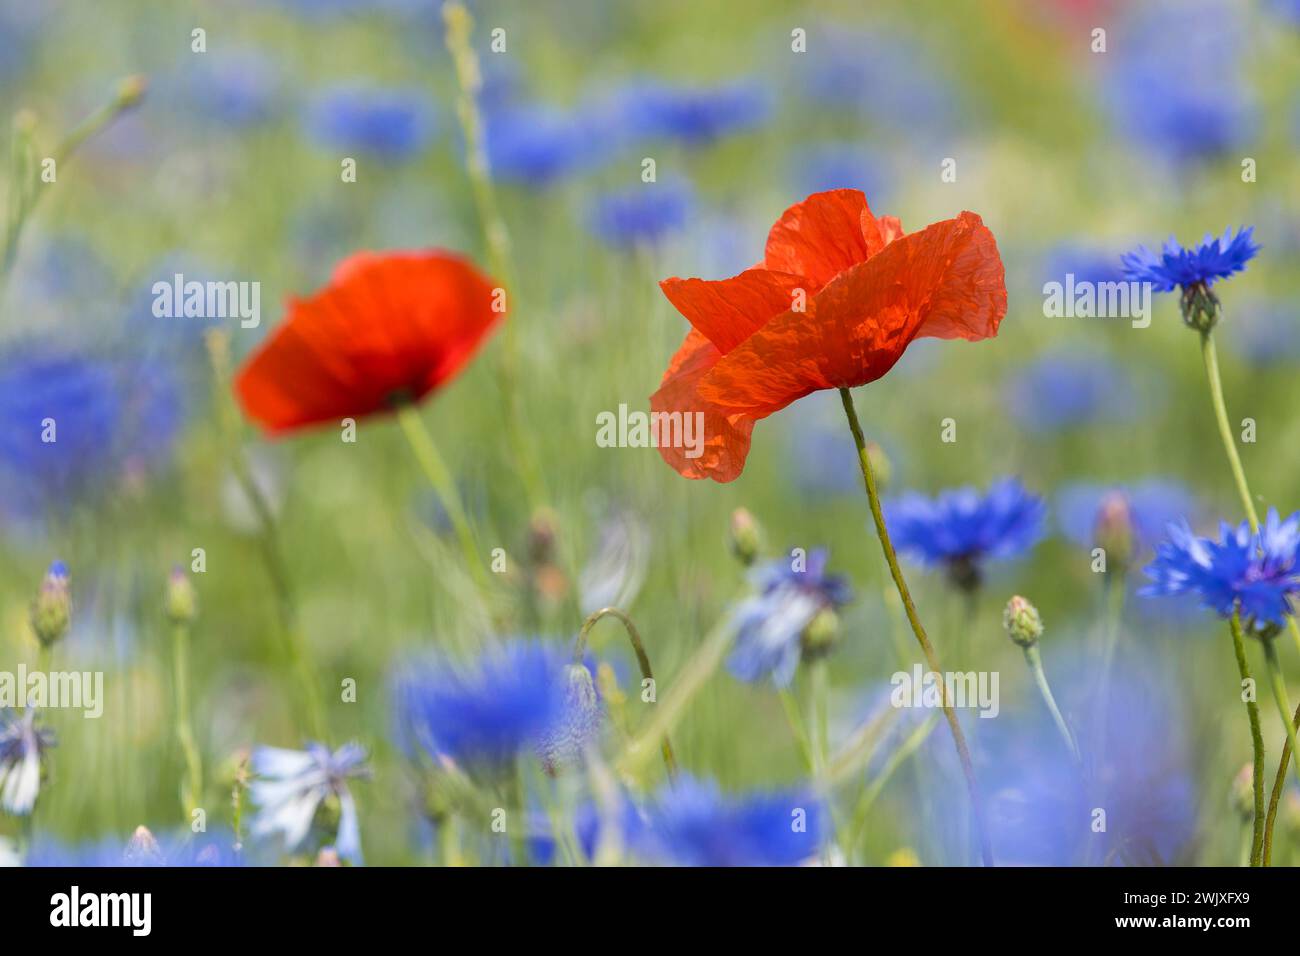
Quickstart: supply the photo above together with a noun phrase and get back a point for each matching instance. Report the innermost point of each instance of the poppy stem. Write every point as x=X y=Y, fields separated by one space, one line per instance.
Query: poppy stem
x=435 y=469
x=580 y=648
x=932 y=659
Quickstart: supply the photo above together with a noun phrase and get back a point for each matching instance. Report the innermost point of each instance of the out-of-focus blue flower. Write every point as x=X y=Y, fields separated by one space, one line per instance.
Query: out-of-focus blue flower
x=1135 y=743
x=961 y=529
x=1058 y=390
x=1287 y=10
x=770 y=625
x=1256 y=573
x=390 y=124
x=642 y=215
x=821 y=460
x=695 y=116
x=507 y=702
x=236 y=88
x=22 y=749
x=692 y=823
x=537 y=145
x=886 y=77
x=622 y=823
x=325 y=9
x=1158 y=89
x=290 y=786
x=213 y=848
x=842 y=166
x=1266 y=333
x=71 y=422
x=1085 y=263
x=1205 y=264
x=1147 y=508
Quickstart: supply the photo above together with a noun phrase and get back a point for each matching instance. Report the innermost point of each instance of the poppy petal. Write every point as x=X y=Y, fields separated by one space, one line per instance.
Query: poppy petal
x=728 y=311
x=726 y=435
x=945 y=281
x=388 y=326
x=822 y=236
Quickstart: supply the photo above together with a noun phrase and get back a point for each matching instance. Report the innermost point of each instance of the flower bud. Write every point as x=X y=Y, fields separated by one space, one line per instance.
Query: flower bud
x=745 y=536
x=1022 y=623
x=903 y=856
x=1200 y=306
x=1114 y=528
x=1243 y=792
x=542 y=528
x=181 y=604
x=579 y=721
x=821 y=633
x=131 y=91
x=143 y=849
x=52 y=609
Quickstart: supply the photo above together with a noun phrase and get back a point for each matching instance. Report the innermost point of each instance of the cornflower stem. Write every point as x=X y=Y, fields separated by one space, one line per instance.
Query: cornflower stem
x=435 y=470
x=192 y=782
x=1278 y=685
x=643 y=660
x=1211 y=358
x=695 y=673
x=1275 y=797
x=1257 y=744
x=218 y=345
x=1035 y=661
x=932 y=659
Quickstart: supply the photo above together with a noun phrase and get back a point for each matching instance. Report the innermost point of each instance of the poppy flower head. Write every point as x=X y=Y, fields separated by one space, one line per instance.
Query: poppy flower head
x=839 y=296
x=388 y=328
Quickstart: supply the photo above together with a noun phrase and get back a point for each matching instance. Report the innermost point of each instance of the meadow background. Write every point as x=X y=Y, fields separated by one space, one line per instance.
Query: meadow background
x=230 y=169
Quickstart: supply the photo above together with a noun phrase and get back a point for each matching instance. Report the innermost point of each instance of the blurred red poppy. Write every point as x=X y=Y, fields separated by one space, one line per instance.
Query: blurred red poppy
x=388 y=328
x=837 y=299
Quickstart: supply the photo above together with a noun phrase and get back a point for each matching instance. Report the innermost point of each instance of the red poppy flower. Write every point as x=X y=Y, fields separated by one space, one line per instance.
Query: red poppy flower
x=389 y=327
x=837 y=299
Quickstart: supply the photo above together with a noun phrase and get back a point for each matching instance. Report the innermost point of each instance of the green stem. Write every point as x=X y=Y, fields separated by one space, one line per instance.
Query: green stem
x=1257 y=744
x=1279 y=692
x=192 y=784
x=435 y=469
x=908 y=747
x=1211 y=356
x=1275 y=797
x=643 y=659
x=1035 y=661
x=791 y=707
x=932 y=659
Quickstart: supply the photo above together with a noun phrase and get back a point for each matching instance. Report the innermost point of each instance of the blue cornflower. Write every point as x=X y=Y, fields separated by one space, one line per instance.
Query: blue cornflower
x=1266 y=333
x=1065 y=391
x=237 y=88
x=771 y=626
x=1256 y=574
x=643 y=215
x=515 y=699
x=1120 y=517
x=960 y=529
x=1157 y=88
x=22 y=748
x=693 y=116
x=841 y=166
x=69 y=421
x=390 y=124
x=1203 y=265
x=692 y=823
x=291 y=785
x=537 y=145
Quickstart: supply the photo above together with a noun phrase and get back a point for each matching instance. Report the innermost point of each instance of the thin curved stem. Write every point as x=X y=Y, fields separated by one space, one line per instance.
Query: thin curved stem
x=1278 y=686
x=1211 y=357
x=643 y=660
x=439 y=475
x=192 y=785
x=1257 y=745
x=1275 y=797
x=1035 y=661
x=932 y=659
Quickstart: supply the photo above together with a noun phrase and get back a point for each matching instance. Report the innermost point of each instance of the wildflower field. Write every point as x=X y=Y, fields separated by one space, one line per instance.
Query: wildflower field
x=614 y=433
